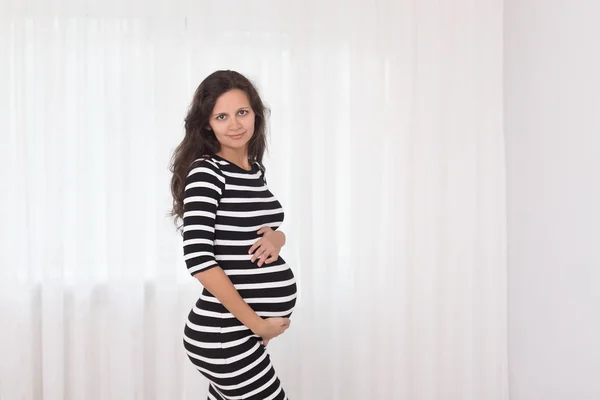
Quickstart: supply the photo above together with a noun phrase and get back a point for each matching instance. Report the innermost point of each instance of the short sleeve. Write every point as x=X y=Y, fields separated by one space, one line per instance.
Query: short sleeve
x=204 y=187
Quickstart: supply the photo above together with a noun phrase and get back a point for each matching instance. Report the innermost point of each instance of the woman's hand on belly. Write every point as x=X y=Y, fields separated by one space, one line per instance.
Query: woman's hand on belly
x=266 y=249
x=271 y=328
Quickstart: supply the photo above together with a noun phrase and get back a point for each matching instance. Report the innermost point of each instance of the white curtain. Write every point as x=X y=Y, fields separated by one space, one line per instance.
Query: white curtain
x=386 y=150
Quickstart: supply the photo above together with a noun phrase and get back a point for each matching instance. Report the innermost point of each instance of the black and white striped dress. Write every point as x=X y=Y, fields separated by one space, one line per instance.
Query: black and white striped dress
x=224 y=207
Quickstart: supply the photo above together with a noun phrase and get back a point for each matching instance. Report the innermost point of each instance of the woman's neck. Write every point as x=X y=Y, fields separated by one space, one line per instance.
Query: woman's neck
x=237 y=157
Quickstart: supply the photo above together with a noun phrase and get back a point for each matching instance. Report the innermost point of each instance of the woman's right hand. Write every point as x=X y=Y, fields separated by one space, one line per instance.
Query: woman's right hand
x=272 y=327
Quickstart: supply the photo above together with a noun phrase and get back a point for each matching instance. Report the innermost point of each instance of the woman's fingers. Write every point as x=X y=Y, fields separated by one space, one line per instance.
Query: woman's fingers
x=255 y=246
x=264 y=253
x=271 y=258
x=264 y=229
x=265 y=256
x=259 y=254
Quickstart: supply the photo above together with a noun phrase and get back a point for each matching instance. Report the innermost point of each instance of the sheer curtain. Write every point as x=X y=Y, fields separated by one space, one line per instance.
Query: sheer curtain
x=386 y=150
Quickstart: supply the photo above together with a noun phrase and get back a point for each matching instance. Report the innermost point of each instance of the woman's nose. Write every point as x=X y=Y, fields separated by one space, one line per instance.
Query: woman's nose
x=235 y=123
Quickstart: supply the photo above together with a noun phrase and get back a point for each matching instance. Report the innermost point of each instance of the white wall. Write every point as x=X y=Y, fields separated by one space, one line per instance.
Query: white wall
x=552 y=84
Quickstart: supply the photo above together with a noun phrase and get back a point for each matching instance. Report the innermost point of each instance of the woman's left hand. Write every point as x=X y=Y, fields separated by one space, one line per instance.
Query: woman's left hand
x=266 y=249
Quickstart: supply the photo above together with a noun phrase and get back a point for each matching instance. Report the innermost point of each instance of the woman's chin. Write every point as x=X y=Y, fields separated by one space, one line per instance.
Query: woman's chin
x=237 y=143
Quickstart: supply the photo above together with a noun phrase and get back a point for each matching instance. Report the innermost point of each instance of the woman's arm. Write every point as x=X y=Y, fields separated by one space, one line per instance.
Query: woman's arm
x=219 y=285
x=204 y=187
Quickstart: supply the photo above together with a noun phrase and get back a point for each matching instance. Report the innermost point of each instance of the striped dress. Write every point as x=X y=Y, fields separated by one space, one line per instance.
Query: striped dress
x=224 y=207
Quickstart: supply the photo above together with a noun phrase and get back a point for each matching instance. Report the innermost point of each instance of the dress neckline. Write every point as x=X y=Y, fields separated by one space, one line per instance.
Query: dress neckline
x=252 y=165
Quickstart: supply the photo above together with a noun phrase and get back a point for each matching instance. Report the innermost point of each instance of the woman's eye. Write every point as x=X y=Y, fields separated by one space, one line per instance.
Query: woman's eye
x=221 y=117
x=243 y=112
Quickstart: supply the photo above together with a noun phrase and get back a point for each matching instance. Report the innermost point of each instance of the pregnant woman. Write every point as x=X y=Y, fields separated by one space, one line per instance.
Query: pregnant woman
x=231 y=241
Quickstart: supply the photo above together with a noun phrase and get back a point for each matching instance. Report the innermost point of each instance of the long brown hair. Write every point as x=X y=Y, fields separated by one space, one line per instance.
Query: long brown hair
x=199 y=141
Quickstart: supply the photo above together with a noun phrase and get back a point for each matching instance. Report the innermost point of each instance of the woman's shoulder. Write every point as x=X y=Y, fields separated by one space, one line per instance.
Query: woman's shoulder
x=206 y=164
x=207 y=161
x=260 y=166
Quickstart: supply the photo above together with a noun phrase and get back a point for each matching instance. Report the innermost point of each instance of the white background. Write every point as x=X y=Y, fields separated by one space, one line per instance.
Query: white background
x=387 y=151
x=552 y=108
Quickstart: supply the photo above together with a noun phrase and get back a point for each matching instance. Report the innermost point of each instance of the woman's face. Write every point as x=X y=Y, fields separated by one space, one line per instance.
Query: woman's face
x=232 y=120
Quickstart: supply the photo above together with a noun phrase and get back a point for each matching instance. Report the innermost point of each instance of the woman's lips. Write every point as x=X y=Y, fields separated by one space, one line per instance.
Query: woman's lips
x=235 y=137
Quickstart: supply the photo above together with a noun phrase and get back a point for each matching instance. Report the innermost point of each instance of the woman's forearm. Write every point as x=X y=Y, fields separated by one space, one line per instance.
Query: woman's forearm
x=282 y=236
x=219 y=285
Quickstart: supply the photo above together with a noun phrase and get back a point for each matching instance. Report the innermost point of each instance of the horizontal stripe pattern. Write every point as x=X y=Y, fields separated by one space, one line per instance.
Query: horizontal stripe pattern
x=224 y=207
